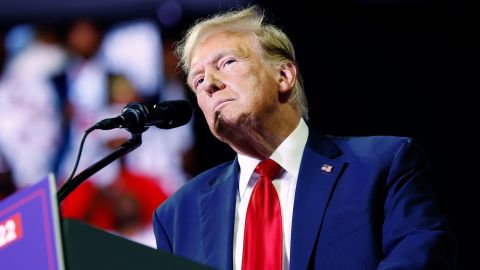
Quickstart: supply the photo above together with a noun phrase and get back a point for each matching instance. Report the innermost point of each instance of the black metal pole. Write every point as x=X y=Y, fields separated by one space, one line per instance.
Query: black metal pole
x=125 y=148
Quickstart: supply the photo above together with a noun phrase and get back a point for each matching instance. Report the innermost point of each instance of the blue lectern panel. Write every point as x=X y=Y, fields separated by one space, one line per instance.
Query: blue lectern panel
x=29 y=229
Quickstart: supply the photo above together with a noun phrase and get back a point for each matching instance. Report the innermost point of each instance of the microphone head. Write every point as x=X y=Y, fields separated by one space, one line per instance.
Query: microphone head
x=165 y=115
x=170 y=114
x=138 y=117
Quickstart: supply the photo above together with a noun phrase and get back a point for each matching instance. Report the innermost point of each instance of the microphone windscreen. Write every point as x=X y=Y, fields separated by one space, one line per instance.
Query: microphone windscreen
x=171 y=114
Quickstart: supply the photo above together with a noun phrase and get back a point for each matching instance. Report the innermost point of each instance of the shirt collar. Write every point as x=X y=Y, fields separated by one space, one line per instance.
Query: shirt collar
x=288 y=155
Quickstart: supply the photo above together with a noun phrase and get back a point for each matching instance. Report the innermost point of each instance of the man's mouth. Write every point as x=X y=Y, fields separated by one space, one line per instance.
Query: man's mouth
x=220 y=104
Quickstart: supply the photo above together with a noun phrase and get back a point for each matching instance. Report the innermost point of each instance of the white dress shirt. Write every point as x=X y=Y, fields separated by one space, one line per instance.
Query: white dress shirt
x=288 y=155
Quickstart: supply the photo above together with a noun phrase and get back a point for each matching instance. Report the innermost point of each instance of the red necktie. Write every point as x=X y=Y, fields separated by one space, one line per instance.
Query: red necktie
x=262 y=243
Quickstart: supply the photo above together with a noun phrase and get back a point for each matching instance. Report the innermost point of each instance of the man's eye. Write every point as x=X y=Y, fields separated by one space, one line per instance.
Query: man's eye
x=228 y=62
x=198 y=82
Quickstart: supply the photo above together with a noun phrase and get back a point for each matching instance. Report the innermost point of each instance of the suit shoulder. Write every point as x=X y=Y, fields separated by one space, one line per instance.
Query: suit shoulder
x=375 y=146
x=368 y=142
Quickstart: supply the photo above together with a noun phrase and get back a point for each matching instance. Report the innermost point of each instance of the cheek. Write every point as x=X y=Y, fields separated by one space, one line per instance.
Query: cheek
x=261 y=89
x=202 y=102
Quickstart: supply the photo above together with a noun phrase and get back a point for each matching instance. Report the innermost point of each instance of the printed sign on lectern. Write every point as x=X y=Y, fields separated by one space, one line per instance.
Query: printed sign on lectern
x=30 y=230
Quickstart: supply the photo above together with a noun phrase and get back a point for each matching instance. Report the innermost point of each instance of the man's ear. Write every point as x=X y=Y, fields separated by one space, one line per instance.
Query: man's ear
x=287 y=77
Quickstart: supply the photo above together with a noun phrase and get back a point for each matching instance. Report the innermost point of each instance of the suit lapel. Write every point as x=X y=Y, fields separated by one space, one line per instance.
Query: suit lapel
x=316 y=182
x=217 y=214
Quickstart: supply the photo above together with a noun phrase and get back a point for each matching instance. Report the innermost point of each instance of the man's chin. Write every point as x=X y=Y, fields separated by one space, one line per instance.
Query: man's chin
x=223 y=126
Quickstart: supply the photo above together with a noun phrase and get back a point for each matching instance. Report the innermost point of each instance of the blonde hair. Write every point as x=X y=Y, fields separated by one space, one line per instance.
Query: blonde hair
x=274 y=44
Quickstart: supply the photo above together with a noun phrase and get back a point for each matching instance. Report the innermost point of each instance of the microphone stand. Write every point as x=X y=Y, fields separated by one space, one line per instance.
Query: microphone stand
x=123 y=149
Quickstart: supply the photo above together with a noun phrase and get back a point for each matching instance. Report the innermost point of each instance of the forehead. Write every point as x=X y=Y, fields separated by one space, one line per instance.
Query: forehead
x=217 y=43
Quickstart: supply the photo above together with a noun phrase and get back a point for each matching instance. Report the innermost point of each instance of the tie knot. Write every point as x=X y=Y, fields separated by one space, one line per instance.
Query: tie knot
x=268 y=168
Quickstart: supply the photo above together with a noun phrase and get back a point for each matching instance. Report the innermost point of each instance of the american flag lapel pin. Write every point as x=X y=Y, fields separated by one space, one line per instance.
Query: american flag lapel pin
x=327 y=168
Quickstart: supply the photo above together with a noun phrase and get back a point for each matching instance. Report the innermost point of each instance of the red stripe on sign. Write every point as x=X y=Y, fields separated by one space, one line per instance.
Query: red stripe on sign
x=17 y=219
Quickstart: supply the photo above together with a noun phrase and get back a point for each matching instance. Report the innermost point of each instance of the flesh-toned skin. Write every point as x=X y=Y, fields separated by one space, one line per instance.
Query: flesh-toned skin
x=242 y=95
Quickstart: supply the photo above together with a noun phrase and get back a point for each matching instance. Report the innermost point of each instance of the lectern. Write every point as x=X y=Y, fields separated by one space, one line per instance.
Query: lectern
x=32 y=236
x=90 y=248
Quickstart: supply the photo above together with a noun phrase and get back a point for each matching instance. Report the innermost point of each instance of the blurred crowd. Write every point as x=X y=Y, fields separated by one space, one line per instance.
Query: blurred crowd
x=58 y=80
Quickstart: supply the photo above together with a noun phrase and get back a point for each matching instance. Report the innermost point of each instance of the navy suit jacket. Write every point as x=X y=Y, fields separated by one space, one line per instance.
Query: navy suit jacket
x=374 y=210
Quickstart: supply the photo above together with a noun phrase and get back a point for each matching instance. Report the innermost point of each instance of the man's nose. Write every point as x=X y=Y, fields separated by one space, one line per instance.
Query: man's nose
x=213 y=83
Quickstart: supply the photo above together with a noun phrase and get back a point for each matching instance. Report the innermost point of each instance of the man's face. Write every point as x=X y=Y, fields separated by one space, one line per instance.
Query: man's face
x=235 y=87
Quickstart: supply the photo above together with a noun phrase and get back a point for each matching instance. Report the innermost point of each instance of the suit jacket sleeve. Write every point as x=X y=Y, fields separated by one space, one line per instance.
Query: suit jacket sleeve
x=161 y=236
x=414 y=232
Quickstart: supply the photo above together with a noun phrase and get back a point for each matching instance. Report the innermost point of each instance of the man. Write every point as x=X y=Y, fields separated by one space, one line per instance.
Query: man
x=338 y=203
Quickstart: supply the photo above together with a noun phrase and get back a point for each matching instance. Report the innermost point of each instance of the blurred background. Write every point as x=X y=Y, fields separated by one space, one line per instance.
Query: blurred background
x=390 y=67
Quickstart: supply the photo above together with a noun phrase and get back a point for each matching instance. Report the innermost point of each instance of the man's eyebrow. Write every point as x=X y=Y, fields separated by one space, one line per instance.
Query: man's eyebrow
x=192 y=75
x=212 y=59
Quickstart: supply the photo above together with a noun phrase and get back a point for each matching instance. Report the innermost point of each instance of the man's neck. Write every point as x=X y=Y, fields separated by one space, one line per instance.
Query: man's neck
x=261 y=142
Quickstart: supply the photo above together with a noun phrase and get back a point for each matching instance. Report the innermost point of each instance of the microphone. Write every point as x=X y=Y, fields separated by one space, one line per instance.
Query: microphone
x=138 y=117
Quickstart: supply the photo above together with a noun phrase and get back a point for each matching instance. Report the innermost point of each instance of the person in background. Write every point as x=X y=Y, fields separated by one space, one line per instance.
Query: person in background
x=7 y=186
x=292 y=198
x=29 y=115
x=82 y=88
